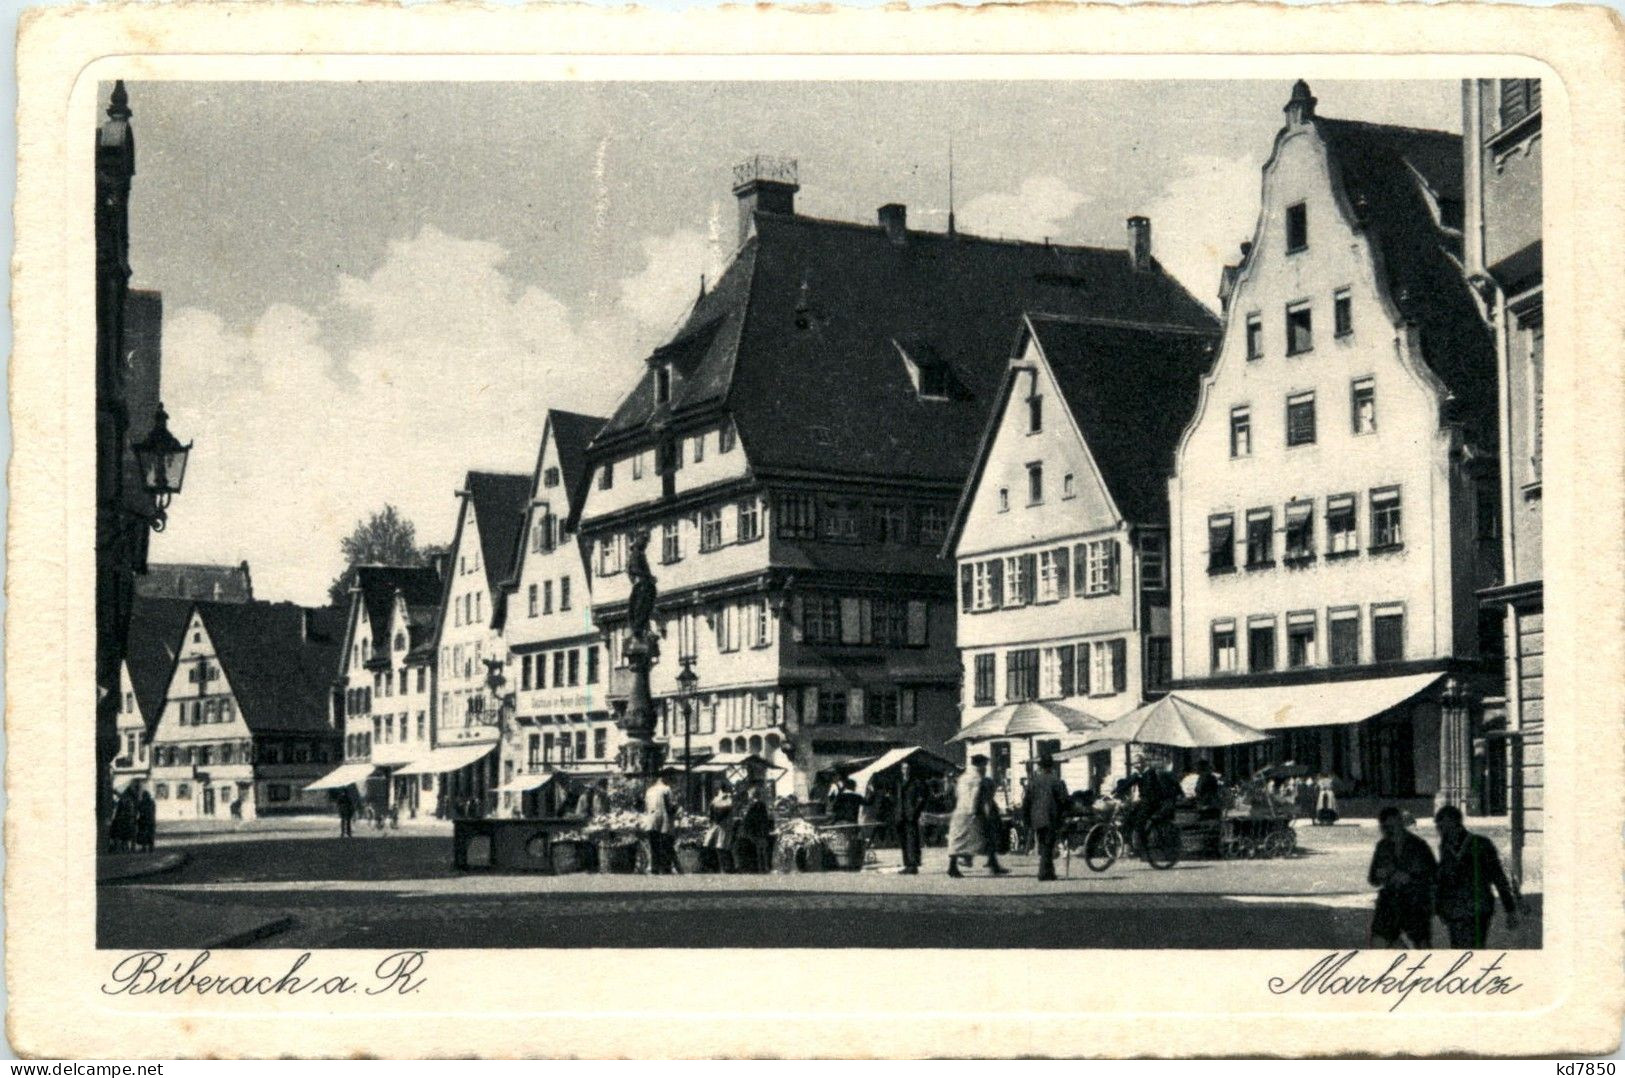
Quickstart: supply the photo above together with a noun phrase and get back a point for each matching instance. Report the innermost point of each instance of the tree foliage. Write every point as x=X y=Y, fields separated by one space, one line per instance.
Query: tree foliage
x=383 y=538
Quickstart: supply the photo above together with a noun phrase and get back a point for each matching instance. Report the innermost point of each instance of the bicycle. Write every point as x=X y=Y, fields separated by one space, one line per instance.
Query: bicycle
x=1104 y=844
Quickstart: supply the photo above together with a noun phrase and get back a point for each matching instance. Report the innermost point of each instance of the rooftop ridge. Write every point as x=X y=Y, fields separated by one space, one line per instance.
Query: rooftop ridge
x=957 y=236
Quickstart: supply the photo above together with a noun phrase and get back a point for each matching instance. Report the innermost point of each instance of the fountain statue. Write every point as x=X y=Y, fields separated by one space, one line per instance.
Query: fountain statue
x=639 y=756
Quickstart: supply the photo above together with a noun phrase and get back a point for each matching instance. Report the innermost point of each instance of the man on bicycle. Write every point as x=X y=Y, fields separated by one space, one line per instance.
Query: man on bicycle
x=1159 y=794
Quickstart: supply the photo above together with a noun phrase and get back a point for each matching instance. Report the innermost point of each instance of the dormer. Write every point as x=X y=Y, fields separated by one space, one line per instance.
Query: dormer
x=931 y=375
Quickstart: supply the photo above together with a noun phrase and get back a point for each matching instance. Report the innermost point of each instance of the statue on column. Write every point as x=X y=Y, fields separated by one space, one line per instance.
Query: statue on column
x=639 y=755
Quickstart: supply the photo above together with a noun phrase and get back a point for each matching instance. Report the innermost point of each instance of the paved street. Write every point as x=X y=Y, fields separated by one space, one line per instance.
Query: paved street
x=399 y=890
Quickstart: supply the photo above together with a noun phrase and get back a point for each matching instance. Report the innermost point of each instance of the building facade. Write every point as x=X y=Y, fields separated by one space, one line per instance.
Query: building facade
x=245 y=724
x=384 y=695
x=794 y=455
x=556 y=671
x=468 y=716
x=1502 y=120
x=1333 y=492
x=156 y=626
x=1061 y=538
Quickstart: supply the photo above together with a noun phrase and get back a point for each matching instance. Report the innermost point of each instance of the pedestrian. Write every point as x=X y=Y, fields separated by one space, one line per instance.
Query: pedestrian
x=969 y=828
x=1208 y=804
x=146 y=821
x=121 y=830
x=1044 y=809
x=1404 y=871
x=660 y=821
x=346 y=812
x=1469 y=868
x=720 y=835
x=1326 y=800
x=847 y=803
x=907 y=809
x=755 y=831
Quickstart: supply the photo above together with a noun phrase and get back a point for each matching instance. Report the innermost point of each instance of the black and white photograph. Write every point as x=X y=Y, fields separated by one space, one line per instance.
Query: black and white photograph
x=1091 y=514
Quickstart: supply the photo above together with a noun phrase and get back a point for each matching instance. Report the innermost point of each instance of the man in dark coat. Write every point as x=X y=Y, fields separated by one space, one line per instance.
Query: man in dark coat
x=906 y=812
x=1045 y=809
x=1404 y=871
x=146 y=820
x=1469 y=869
x=346 y=811
x=1208 y=803
x=846 y=805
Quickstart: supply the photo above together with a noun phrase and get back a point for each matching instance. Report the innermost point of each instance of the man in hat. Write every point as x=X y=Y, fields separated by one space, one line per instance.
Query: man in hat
x=660 y=818
x=1045 y=810
x=906 y=812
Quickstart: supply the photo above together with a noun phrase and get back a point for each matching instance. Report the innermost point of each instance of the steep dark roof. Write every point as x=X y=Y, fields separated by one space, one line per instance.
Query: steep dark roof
x=156 y=628
x=499 y=500
x=1131 y=390
x=801 y=339
x=280 y=675
x=193 y=580
x=1388 y=173
x=419 y=585
x=572 y=433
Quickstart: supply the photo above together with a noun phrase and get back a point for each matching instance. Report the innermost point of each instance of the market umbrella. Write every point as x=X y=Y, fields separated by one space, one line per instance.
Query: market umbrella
x=1172 y=721
x=1029 y=719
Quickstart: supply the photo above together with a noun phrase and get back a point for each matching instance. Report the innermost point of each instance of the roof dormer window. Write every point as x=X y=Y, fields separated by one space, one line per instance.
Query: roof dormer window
x=550 y=477
x=663 y=384
x=930 y=373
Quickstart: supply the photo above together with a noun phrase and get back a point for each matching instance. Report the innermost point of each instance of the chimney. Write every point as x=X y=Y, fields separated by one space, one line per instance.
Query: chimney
x=1139 y=242
x=304 y=625
x=764 y=185
x=1300 y=109
x=894 y=219
x=437 y=561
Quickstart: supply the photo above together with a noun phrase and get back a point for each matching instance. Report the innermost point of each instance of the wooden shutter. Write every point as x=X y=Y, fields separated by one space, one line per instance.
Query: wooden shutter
x=916 y=623
x=1119 y=648
x=1063 y=585
x=1029 y=578
x=995 y=582
x=1113 y=566
x=967 y=588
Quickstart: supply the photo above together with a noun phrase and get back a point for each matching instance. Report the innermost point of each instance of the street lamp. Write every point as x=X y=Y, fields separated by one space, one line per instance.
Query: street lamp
x=686 y=680
x=162 y=459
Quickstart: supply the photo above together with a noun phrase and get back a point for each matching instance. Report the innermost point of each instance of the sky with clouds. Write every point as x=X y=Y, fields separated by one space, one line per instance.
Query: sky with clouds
x=371 y=288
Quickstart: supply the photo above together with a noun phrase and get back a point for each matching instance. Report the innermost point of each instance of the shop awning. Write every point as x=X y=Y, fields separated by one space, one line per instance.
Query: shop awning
x=344 y=775
x=1327 y=703
x=724 y=762
x=930 y=760
x=524 y=783
x=442 y=760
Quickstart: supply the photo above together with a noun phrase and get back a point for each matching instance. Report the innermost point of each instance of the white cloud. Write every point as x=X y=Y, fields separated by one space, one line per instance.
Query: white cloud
x=1040 y=208
x=303 y=424
x=1202 y=216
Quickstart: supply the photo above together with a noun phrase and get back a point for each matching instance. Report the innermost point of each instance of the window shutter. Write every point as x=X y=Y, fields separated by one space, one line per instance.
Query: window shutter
x=1063 y=585
x=1083 y=669
x=995 y=582
x=1029 y=578
x=851 y=630
x=1080 y=567
x=916 y=623
x=967 y=588
x=1113 y=566
x=906 y=707
x=1119 y=665
x=797 y=613
x=854 y=707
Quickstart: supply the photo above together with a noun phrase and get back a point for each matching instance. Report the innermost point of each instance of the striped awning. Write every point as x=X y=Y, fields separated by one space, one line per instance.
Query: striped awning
x=440 y=761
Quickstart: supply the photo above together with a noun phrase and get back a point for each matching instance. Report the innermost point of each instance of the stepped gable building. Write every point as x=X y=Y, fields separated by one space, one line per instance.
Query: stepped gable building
x=1502 y=119
x=556 y=670
x=795 y=453
x=1335 y=493
x=468 y=636
x=1061 y=536
x=154 y=641
x=192 y=580
x=246 y=724
x=384 y=693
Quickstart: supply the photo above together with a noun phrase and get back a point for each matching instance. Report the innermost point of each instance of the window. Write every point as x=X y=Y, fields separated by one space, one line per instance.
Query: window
x=1019 y=571
x=1053 y=576
x=1363 y=405
x=1004 y=499
x=728 y=628
x=1297 y=227
x=984 y=678
x=1261 y=645
x=530 y=600
x=1021 y=674
x=1388 y=633
x=1159 y=662
x=981 y=585
x=547 y=597
x=564 y=593
x=798 y=516
x=1300 y=640
x=1342 y=312
x=1153 y=561
x=1386 y=530
x=891 y=523
x=1097 y=566
x=1300 y=333
x=1241 y=431
x=1537 y=390
x=558 y=680
x=839 y=522
x=1255 y=337
x=933 y=529
x=918 y=628
x=1224 y=647
x=671 y=548
x=422 y=725
x=699 y=447
x=606 y=476
x=750 y=520
x=1519 y=98
x=881 y=708
x=761 y=626
x=663 y=383
x=592 y=664
x=609 y=555
x=669 y=456
x=600 y=743
x=1069 y=486
x=574 y=664
x=725 y=438
x=1300 y=530
x=637 y=465
x=1300 y=419
x=1049 y=672
x=820 y=619
x=1035 y=483
x=1260 y=538
x=1221 y=543
x=1117 y=654
x=832 y=707
x=1035 y=414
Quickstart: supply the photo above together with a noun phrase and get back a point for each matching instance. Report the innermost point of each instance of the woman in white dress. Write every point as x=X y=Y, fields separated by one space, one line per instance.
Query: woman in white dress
x=967 y=827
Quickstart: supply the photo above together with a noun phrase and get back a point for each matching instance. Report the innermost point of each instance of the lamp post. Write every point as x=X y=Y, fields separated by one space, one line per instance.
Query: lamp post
x=686 y=680
x=495 y=678
x=162 y=459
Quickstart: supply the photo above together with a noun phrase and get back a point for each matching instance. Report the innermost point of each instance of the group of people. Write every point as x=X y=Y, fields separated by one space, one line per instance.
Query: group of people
x=741 y=829
x=134 y=824
x=1459 y=886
